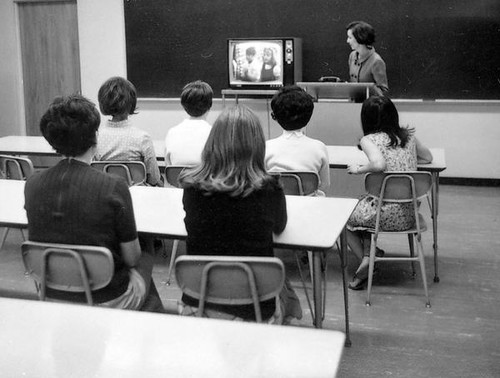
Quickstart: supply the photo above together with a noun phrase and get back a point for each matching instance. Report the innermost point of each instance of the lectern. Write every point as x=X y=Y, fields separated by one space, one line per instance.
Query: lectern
x=353 y=91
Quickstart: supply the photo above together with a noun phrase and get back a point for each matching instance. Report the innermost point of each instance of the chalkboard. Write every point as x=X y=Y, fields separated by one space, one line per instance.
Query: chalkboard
x=433 y=49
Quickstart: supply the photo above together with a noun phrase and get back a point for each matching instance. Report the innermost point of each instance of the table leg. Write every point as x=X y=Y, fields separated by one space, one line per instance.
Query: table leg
x=343 y=264
x=317 y=290
x=435 y=207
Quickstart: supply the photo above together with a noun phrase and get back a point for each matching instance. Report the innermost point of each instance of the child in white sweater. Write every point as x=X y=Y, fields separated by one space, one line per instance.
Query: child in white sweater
x=184 y=142
x=292 y=108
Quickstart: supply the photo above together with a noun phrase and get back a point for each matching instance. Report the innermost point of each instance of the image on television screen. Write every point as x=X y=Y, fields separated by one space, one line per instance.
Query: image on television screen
x=257 y=62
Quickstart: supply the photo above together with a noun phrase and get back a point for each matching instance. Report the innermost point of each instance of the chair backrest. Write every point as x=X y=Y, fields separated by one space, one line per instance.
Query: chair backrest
x=134 y=172
x=172 y=173
x=406 y=186
x=230 y=280
x=15 y=168
x=71 y=268
x=299 y=183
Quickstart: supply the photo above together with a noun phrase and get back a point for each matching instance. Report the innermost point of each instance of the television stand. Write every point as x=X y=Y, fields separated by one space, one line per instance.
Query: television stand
x=246 y=93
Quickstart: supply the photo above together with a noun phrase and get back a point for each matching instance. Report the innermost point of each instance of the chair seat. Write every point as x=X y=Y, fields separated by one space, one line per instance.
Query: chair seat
x=423 y=228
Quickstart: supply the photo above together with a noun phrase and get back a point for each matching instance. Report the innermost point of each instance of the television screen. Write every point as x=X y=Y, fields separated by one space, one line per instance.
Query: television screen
x=256 y=62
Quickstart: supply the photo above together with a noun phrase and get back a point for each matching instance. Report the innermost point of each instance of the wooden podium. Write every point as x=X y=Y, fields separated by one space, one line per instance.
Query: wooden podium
x=352 y=91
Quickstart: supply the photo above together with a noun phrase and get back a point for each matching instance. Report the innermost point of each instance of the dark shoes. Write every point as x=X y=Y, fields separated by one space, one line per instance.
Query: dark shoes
x=379 y=252
x=358 y=283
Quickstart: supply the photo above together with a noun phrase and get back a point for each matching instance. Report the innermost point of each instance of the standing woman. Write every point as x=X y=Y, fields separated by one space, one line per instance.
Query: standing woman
x=365 y=65
x=233 y=206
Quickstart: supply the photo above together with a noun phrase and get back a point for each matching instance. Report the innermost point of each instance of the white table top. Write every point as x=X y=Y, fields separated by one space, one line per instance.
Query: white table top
x=313 y=222
x=341 y=156
x=42 y=339
x=26 y=145
x=12 y=211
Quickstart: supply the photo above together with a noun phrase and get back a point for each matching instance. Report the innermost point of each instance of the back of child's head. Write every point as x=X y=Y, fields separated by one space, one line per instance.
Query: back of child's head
x=196 y=98
x=117 y=96
x=70 y=125
x=292 y=107
x=379 y=114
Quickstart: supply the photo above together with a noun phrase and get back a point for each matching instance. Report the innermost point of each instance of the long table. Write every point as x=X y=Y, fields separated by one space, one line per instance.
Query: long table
x=44 y=339
x=341 y=156
x=313 y=224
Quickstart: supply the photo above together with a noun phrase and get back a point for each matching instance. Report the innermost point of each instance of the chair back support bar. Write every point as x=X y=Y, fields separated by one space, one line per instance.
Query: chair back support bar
x=299 y=183
x=134 y=172
x=398 y=186
x=71 y=268
x=15 y=168
x=230 y=280
x=172 y=173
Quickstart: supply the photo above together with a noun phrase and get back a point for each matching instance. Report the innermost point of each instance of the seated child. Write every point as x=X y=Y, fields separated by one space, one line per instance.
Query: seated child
x=72 y=203
x=118 y=139
x=184 y=142
x=292 y=108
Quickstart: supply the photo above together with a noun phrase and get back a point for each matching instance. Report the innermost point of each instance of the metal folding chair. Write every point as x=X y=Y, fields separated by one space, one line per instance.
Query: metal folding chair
x=14 y=168
x=399 y=187
x=304 y=183
x=134 y=172
x=230 y=280
x=70 y=268
x=172 y=173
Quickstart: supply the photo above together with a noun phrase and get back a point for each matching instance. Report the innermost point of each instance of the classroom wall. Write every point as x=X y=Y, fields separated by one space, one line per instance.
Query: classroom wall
x=10 y=73
x=467 y=131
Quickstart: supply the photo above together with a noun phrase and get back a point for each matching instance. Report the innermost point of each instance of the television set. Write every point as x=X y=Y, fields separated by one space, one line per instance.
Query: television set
x=264 y=63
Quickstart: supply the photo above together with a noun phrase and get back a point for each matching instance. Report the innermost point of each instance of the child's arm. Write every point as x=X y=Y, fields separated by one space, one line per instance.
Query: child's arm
x=324 y=173
x=376 y=161
x=424 y=155
x=151 y=163
x=280 y=214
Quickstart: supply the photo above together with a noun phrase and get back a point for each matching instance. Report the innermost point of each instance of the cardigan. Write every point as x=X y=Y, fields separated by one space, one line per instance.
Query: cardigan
x=369 y=69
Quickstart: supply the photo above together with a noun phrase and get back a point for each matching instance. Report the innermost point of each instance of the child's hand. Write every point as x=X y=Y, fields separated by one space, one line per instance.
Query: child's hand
x=353 y=169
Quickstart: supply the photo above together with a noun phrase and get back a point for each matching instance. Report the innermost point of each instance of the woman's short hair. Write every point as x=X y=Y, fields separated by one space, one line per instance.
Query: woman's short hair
x=292 y=107
x=363 y=32
x=196 y=98
x=233 y=157
x=117 y=96
x=379 y=114
x=70 y=125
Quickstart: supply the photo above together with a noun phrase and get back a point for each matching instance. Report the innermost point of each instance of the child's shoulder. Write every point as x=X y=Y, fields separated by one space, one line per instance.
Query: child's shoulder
x=314 y=141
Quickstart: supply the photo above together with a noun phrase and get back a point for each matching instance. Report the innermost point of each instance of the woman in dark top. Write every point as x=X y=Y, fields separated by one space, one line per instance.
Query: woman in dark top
x=73 y=203
x=232 y=204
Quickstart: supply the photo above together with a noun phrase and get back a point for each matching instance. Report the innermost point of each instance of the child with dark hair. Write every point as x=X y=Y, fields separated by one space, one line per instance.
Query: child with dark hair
x=292 y=108
x=388 y=147
x=184 y=142
x=118 y=139
x=73 y=203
